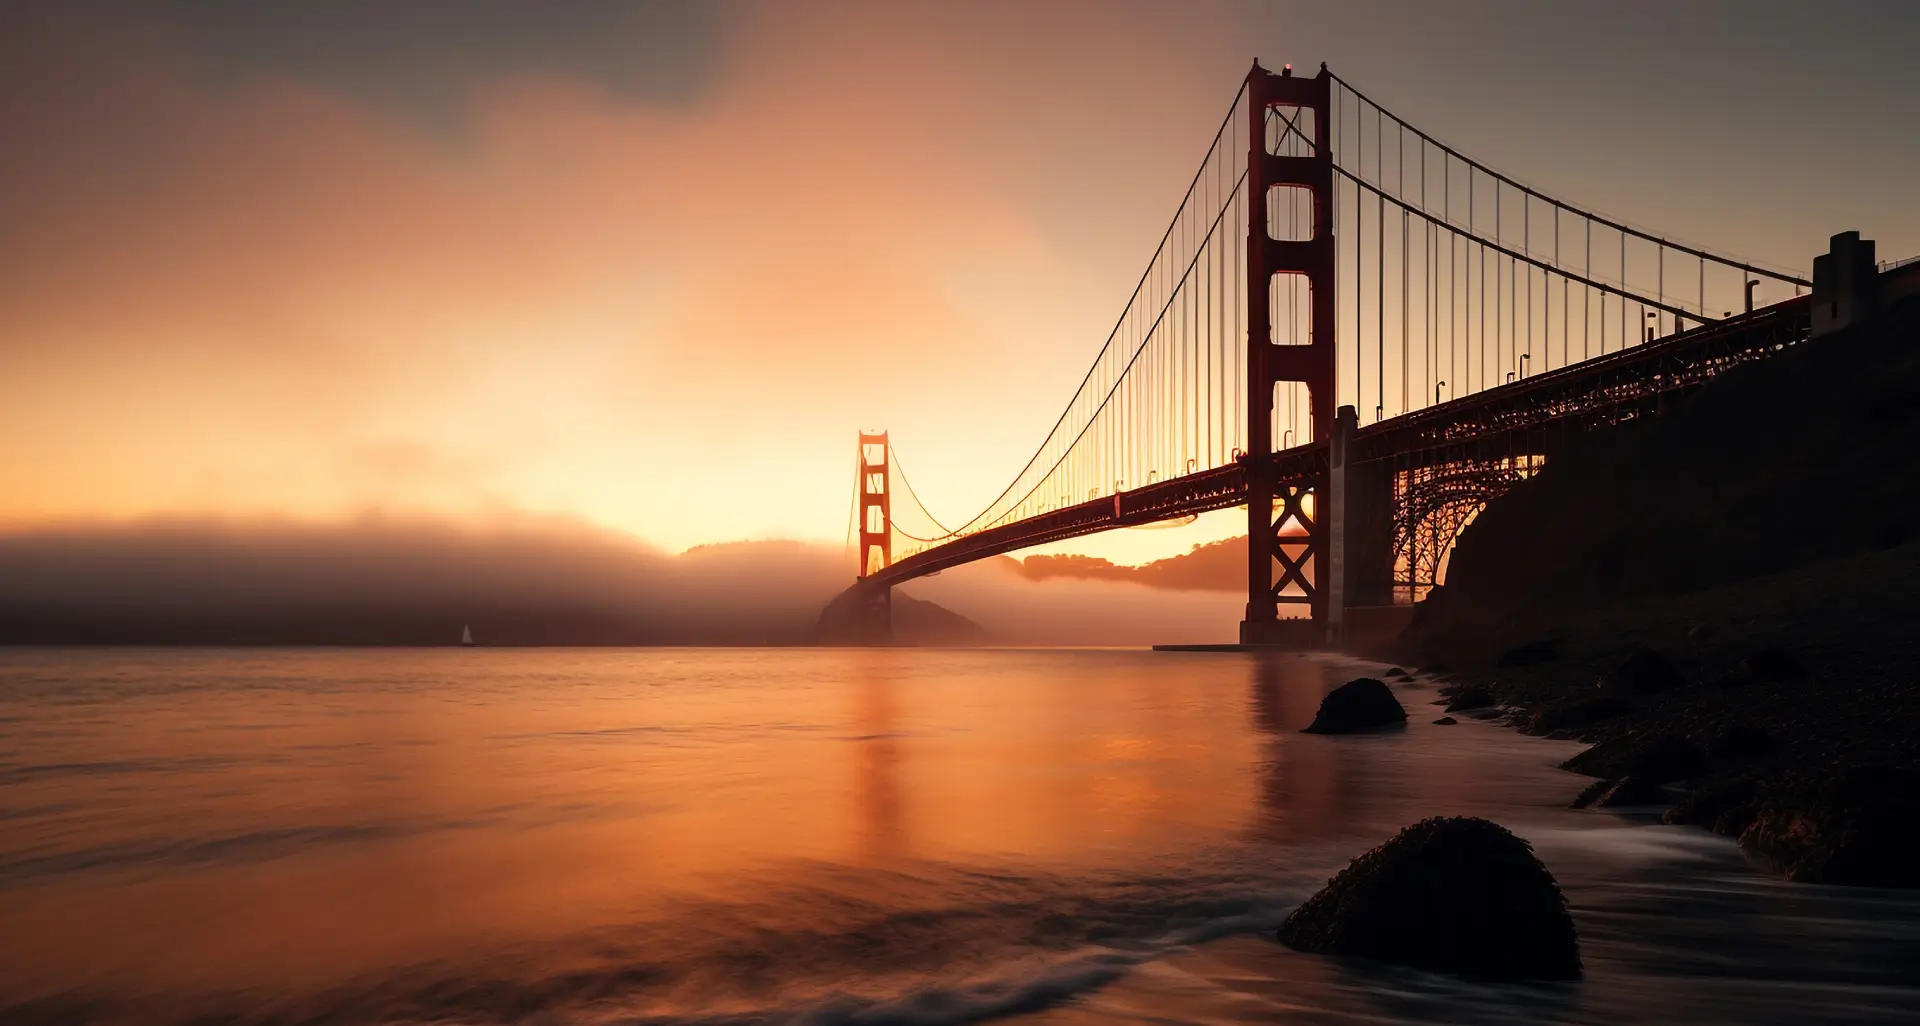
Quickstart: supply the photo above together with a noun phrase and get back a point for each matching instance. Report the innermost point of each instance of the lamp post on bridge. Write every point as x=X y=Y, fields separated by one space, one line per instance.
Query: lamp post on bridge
x=1436 y=390
x=1524 y=357
x=1750 y=287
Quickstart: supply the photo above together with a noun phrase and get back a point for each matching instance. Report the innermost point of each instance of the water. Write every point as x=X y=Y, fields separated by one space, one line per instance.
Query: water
x=811 y=836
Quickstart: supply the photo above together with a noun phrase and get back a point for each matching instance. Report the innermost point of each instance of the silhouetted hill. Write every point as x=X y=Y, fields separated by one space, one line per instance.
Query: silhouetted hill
x=1214 y=566
x=1806 y=457
x=1722 y=599
x=915 y=622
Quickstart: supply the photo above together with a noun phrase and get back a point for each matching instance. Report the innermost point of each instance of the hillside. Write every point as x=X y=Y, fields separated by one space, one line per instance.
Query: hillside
x=1722 y=600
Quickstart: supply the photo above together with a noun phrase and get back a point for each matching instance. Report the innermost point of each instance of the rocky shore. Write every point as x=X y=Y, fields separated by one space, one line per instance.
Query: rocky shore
x=1722 y=601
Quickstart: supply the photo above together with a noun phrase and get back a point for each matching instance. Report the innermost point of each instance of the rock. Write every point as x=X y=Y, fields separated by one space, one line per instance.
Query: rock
x=1396 y=671
x=1645 y=672
x=1592 y=791
x=1469 y=698
x=1455 y=895
x=1858 y=825
x=1629 y=791
x=1724 y=805
x=1578 y=713
x=1445 y=721
x=1771 y=665
x=1740 y=743
x=1360 y=704
x=1532 y=653
x=1661 y=758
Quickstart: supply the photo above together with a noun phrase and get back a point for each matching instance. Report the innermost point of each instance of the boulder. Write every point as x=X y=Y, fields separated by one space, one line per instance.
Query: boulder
x=1661 y=758
x=1857 y=825
x=1445 y=721
x=1360 y=704
x=1454 y=895
x=1591 y=792
x=1645 y=672
x=1532 y=653
x=1469 y=698
x=1579 y=713
x=1724 y=805
x=1396 y=671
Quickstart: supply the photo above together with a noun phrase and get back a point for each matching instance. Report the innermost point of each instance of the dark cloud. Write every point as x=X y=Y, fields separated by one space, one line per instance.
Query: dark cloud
x=420 y=58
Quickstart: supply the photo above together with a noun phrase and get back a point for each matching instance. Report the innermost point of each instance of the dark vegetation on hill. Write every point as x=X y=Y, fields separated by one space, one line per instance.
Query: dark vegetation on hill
x=1214 y=566
x=1724 y=601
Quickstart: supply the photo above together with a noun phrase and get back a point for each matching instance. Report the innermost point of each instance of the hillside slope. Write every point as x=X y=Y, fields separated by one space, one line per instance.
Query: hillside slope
x=1723 y=600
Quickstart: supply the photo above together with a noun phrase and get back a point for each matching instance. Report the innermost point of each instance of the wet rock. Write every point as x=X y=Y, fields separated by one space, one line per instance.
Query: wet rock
x=1469 y=698
x=1360 y=704
x=1645 y=672
x=1661 y=758
x=1578 y=713
x=1592 y=791
x=1724 y=805
x=1396 y=671
x=1858 y=825
x=1771 y=665
x=1532 y=653
x=1631 y=791
x=1445 y=721
x=1455 y=895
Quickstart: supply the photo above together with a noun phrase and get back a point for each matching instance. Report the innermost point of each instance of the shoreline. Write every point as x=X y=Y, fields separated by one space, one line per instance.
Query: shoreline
x=1776 y=712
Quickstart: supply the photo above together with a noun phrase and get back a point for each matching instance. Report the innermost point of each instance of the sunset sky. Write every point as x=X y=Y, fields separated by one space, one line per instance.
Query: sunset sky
x=652 y=266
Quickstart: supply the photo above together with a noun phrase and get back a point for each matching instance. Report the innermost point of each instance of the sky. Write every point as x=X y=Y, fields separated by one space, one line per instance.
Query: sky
x=649 y=267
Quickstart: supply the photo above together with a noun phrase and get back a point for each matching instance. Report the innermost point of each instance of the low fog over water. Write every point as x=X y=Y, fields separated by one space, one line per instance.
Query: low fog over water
x=401 y=581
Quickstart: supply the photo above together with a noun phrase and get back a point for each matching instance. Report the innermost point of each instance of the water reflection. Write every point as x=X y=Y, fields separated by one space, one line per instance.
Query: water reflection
x=496 y=836
x=876 y=727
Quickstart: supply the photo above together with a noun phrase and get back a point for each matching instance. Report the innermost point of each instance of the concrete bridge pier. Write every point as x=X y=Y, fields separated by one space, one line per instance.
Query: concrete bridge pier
x=1359 y=532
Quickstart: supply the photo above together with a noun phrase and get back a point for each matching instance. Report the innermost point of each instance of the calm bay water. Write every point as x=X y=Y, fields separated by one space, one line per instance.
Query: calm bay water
x=816 y=836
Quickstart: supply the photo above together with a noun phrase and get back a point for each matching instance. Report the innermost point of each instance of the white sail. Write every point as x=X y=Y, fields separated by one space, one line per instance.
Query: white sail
x=466 y=634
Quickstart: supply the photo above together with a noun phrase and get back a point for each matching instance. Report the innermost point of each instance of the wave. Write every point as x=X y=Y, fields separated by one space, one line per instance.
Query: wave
x=931 y=947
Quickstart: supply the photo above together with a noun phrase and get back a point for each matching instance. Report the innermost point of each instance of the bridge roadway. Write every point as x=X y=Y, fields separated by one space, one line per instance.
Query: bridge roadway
x=1505 y=420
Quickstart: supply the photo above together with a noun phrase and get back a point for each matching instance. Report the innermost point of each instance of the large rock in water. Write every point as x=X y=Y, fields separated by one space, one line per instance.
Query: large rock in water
x=1456 y=895
x=1360 y=704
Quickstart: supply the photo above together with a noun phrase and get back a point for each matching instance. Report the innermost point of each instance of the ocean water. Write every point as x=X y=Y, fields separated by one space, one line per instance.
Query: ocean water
x=813 y=836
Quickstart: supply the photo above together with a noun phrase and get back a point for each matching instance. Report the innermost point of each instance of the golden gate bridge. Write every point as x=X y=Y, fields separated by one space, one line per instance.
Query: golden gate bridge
x=1361 y=335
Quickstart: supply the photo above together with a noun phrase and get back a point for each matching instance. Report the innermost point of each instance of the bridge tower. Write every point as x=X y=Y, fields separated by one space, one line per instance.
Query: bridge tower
x=875 y=491
x=1286 y=532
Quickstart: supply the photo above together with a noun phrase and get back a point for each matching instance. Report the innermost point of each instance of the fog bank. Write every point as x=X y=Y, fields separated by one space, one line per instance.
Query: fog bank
x=383 y=580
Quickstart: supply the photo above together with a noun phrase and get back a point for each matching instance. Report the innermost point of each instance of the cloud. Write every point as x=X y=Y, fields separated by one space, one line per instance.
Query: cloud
x=422 y=59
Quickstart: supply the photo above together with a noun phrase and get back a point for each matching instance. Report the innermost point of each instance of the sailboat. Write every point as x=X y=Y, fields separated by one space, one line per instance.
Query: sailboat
x=466 y=636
